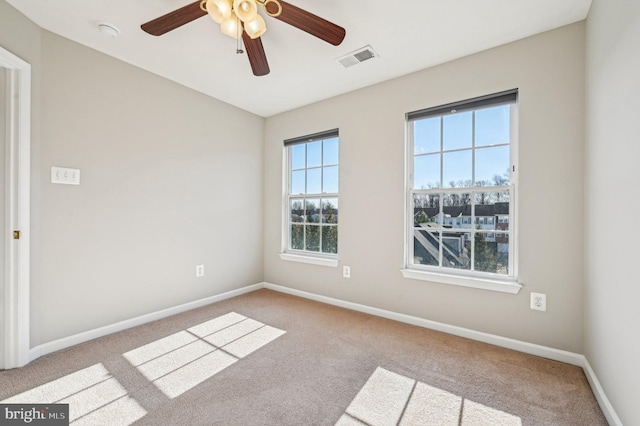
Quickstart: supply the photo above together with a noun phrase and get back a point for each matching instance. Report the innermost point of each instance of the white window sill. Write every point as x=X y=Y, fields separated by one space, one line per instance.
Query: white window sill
x=512 y=287
x=322 y=261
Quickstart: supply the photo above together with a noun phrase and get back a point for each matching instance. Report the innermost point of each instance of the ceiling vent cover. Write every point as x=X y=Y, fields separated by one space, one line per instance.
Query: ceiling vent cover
x=357 y=56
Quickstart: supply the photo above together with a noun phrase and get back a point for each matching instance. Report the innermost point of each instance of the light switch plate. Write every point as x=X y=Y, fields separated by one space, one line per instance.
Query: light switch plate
x=65 y=176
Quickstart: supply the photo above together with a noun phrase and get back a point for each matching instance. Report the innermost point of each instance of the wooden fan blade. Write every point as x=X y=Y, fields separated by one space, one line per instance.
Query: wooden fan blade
x=174 y=19
x=255 y=52
x=306 y=21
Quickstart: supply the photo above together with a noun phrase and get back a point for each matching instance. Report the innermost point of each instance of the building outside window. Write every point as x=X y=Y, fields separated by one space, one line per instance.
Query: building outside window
x=461 y=164
x=312 y=194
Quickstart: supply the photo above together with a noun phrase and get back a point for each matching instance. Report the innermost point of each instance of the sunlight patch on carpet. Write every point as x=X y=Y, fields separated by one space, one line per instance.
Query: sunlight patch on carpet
x=93 y=395
x=388 y=398
x=177 y=363
x=382 y=399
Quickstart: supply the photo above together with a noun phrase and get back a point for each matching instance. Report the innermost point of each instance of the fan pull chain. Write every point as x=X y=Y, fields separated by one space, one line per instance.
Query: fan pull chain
x=239 y=51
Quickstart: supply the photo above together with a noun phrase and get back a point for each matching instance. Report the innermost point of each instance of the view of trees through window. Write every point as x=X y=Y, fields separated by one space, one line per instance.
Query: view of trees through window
x=461 y=189
x=313 y=195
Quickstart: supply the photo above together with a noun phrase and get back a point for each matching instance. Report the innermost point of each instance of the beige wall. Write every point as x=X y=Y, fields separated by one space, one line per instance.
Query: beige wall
x=170 y=178
x=612 y=174
x=548 y=69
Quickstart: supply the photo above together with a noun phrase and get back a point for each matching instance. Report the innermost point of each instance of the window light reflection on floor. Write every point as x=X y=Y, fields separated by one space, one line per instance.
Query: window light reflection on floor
x=388 y=398
x=185 y=359
x=93 y=395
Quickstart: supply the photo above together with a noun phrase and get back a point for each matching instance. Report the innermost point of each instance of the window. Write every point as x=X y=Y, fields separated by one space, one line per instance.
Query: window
x=461 y=165
x=312 y=195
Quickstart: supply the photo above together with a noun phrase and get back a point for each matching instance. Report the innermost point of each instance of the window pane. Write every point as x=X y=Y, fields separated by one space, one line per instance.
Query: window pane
x=457 y=169
x=330 y=179
x=493 y=198
x=426 y=171
x=297 y=210
x=330 y=239
x=330 y=152
x=314 y=154
x=457 y=131
x=457 y=204
x=456 y=250
x=426 y=208
x=298 y=153
x=312 y=210
x=426 y=247
x=426 y=135
x=493 y=126
x=314 y=182
x=298 y=182
x=492 y=166
x=487 y=258
x=297 y=237
x=330 y=210
x=427 y=201
x=503 y=224
x=492 y=210
x=312 y=237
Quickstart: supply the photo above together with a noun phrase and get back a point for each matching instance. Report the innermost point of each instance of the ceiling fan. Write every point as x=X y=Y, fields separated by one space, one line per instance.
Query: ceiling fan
x=239 y=18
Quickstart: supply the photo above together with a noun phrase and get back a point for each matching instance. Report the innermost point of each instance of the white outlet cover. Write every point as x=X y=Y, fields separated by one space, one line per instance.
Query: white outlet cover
x=538 y=301
x=199 y=270
x=346 y=272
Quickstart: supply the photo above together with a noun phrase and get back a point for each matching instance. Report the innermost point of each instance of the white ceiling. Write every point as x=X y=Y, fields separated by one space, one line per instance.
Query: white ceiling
x=408 y=36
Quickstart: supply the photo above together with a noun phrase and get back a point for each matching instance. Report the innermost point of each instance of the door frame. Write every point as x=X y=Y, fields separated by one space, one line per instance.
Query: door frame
x=17 y=205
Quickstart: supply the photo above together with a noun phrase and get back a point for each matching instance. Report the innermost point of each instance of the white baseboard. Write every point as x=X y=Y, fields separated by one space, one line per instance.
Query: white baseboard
x=66 y=342
x=517 y=345
x=603 y=401
x=529 y=348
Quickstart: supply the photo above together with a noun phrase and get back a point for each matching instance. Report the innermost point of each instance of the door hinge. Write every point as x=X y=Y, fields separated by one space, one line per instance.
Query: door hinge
x=16 y=235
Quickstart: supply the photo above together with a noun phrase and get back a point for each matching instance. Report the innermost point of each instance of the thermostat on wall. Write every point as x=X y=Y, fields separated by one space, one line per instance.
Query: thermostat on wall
x=65 y=175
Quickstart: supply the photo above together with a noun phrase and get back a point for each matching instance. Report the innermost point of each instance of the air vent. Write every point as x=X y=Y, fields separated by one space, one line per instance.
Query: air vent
x=357 y=56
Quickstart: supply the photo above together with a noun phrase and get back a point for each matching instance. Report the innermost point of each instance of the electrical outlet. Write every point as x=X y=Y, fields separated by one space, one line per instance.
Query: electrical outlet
x=199 y=271
x=346 y=271
x=538 y=301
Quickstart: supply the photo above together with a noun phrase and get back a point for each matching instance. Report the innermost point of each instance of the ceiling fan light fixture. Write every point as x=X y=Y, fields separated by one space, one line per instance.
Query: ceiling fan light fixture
x=219 y=10
x=246 y=10
x=255 y=28
x=231 y=27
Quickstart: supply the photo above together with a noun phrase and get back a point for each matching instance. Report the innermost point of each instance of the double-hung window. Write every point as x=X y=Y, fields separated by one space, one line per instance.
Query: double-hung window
x=312 y=195
x=461 y=192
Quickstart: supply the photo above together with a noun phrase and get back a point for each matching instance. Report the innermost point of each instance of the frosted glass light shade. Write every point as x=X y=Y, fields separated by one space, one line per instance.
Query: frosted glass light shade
x=231 y=26
x=246 y=10
x=219 y=10
x=255 y=28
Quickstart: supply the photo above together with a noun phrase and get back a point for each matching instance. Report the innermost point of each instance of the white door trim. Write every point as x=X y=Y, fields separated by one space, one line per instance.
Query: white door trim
x=17 y=194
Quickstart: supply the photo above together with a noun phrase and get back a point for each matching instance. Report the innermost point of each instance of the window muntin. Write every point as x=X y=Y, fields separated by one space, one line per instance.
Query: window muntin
x=461 y=189
x=312 y=194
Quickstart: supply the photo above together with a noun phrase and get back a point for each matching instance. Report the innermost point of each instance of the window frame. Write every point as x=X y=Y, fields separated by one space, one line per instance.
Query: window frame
x=302 y=255
x=467 y=278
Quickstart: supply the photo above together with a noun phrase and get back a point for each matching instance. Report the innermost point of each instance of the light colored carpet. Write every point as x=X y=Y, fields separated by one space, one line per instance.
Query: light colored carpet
x=390 y=399
x=174 y=364
x=266 y=358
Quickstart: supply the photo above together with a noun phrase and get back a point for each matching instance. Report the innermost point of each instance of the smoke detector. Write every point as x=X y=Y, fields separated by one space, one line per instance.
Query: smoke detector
x=108 y=30
x=357 y=56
